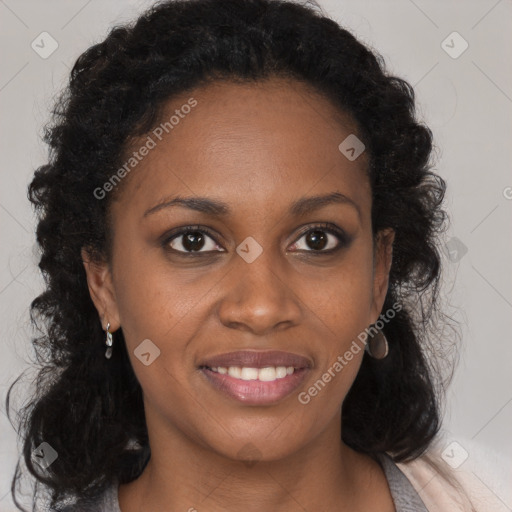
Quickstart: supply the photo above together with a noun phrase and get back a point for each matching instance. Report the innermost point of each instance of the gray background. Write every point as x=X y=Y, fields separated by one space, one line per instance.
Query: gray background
x=467 y=102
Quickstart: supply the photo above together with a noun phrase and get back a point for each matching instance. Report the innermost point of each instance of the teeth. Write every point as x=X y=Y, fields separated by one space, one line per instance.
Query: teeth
x=267 y=374
x=249 y=374
x=280 y=372
x=235 y=371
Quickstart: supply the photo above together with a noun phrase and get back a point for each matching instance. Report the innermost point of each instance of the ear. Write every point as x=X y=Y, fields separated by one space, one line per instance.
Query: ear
x=101 y=289
x=383 y=258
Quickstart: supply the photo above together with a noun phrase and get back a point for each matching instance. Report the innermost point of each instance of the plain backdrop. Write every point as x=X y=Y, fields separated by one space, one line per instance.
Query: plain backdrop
x=464 y=93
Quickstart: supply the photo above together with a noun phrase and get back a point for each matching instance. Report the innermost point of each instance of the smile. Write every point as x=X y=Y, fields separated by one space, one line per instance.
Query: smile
x=267 y=374
x=255 y=377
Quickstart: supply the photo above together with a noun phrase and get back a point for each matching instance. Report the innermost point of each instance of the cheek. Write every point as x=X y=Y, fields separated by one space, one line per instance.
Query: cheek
x=167 y=306
x=150 y=295
x=341 y=297
x=154 y=304
x=340 y=313
x=142 y=306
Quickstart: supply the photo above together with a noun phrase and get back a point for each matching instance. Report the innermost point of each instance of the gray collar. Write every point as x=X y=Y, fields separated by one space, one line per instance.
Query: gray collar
x=404 y=495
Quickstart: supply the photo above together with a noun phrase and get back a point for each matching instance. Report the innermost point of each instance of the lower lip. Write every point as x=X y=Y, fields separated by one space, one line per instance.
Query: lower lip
x=255 y=392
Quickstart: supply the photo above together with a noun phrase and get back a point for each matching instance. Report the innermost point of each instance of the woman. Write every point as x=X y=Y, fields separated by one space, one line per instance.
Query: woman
x=237 y=222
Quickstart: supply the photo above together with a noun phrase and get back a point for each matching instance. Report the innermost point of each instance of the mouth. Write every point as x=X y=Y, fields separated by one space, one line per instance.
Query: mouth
x=255 y=377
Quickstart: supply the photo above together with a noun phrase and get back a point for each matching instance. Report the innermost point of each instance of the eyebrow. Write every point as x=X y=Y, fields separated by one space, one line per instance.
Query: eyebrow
x=216 y=208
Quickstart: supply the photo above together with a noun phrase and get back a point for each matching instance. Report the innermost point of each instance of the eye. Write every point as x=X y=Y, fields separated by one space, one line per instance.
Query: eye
x=322 y=238
x=191 y=240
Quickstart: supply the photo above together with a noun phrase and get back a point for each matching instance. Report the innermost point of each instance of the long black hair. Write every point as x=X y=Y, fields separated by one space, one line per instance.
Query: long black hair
x=90 y=409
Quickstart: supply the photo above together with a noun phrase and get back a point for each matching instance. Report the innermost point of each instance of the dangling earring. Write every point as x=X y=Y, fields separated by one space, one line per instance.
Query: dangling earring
x=108 y=342
x=377 y=346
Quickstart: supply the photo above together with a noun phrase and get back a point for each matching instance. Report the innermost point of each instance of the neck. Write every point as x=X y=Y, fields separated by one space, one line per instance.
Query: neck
x=183 y=475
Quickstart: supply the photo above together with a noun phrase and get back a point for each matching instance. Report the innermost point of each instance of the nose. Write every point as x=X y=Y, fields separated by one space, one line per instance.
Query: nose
x=260 y=297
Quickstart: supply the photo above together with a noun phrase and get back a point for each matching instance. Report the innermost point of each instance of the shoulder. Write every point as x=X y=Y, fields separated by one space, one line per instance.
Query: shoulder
x=107 y=501
x=461 y=476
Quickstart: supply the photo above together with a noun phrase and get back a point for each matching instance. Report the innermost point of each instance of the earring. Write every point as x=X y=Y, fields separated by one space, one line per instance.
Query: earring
x=109 y=342
x=377 y=346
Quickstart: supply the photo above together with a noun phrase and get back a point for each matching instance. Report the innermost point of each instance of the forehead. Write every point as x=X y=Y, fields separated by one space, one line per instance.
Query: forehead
x=251 y=145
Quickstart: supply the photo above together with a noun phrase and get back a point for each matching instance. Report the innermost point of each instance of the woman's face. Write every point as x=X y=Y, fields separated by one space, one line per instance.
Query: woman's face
x=256 y=279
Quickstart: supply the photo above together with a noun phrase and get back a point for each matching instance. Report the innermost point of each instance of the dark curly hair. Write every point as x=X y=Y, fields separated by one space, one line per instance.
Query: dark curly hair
x=90 y=409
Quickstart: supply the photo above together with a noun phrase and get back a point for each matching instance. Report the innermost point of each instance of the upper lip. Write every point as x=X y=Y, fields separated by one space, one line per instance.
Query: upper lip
x=257 y=359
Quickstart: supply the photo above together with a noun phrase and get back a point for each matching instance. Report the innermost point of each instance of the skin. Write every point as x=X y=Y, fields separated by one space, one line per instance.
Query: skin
x=258 y=148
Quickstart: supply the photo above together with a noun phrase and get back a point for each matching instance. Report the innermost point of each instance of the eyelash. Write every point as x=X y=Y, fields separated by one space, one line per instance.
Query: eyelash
x=343 y=239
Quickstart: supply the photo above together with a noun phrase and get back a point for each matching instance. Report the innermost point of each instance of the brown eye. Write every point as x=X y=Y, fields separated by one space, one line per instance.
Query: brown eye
x=322 y=239
x=192 y=240
x=317 y=240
